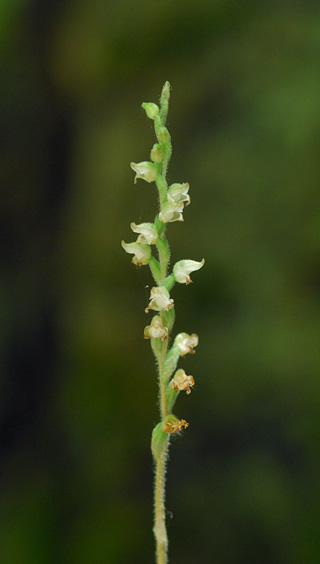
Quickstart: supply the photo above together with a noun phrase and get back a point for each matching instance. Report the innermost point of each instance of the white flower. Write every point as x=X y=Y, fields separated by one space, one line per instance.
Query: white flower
x=151 y=109
x=186 y=343
x=181 y=381
x=183 y=268
x=145 y=170
x=141 y=251
x=156 y=330
x=159 y=299
x=148 y=231
x=178 y=194
x=173 y=207
x=170 y=213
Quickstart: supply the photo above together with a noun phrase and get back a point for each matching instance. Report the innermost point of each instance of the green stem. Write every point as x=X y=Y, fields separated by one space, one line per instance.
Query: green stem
x=162 y=187
x=168 y=151
x=159 y=529
x=164 y=255
x=162 y=382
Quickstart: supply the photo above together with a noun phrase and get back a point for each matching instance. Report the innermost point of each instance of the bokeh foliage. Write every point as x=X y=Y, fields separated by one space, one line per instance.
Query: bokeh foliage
x=78 y=387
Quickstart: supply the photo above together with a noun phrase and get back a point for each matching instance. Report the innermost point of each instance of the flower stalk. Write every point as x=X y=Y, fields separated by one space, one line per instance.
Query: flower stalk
x=172 y=200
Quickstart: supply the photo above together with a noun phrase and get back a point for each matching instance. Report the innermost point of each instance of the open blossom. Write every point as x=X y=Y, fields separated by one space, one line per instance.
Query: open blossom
x=186 y=343
x=178 y=194
x=148 y=231
x=145 y=170
x=172 y=424
x=156 y=330
x=159 y=299
x=140 y=250
x=176 y=198
x=183 y=268
x=171 y=212
x=181 y=381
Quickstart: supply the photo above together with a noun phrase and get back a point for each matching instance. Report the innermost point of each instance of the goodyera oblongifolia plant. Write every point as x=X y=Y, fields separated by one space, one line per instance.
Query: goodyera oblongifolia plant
x=172 y=200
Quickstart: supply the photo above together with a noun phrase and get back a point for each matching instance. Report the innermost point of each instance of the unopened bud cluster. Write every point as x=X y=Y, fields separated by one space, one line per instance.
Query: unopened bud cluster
x=172 y=200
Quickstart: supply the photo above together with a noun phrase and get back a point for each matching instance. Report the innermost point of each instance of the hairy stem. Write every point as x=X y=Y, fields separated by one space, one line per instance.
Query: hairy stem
x=159 y=529
x=162 y=382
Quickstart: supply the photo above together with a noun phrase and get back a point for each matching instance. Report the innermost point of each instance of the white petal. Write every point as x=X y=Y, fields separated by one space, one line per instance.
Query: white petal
x=186 y=343
x=178 y=193
x=183 y=268
x=170 y=213
x=159 y=299
x=156 y=330
x=145 y=170
x=148 y=231
x=141 y=252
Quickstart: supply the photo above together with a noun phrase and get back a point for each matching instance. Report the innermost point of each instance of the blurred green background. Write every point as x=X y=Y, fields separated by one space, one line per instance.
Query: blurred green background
x=78 y=390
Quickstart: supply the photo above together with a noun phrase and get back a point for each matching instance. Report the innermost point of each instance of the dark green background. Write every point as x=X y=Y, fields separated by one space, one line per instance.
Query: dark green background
x=78 y=390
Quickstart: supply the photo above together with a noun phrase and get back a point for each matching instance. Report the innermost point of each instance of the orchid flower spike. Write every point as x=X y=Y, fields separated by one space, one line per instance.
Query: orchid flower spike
x=152 y=248
x=183 y=268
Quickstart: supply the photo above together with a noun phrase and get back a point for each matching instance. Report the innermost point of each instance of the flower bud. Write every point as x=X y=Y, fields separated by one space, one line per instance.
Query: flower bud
x=163 y=135
x=183 y=268
x=165 y=94
x=156 y=330
x=159 y=299
x=172 y=424
x=170 y=213
x=141 y=252
x=157 y=153
x=178 y=193
x=148 y=231
x=186 y=343
x=145 y=170
x=181 y=381
x=151 y=109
